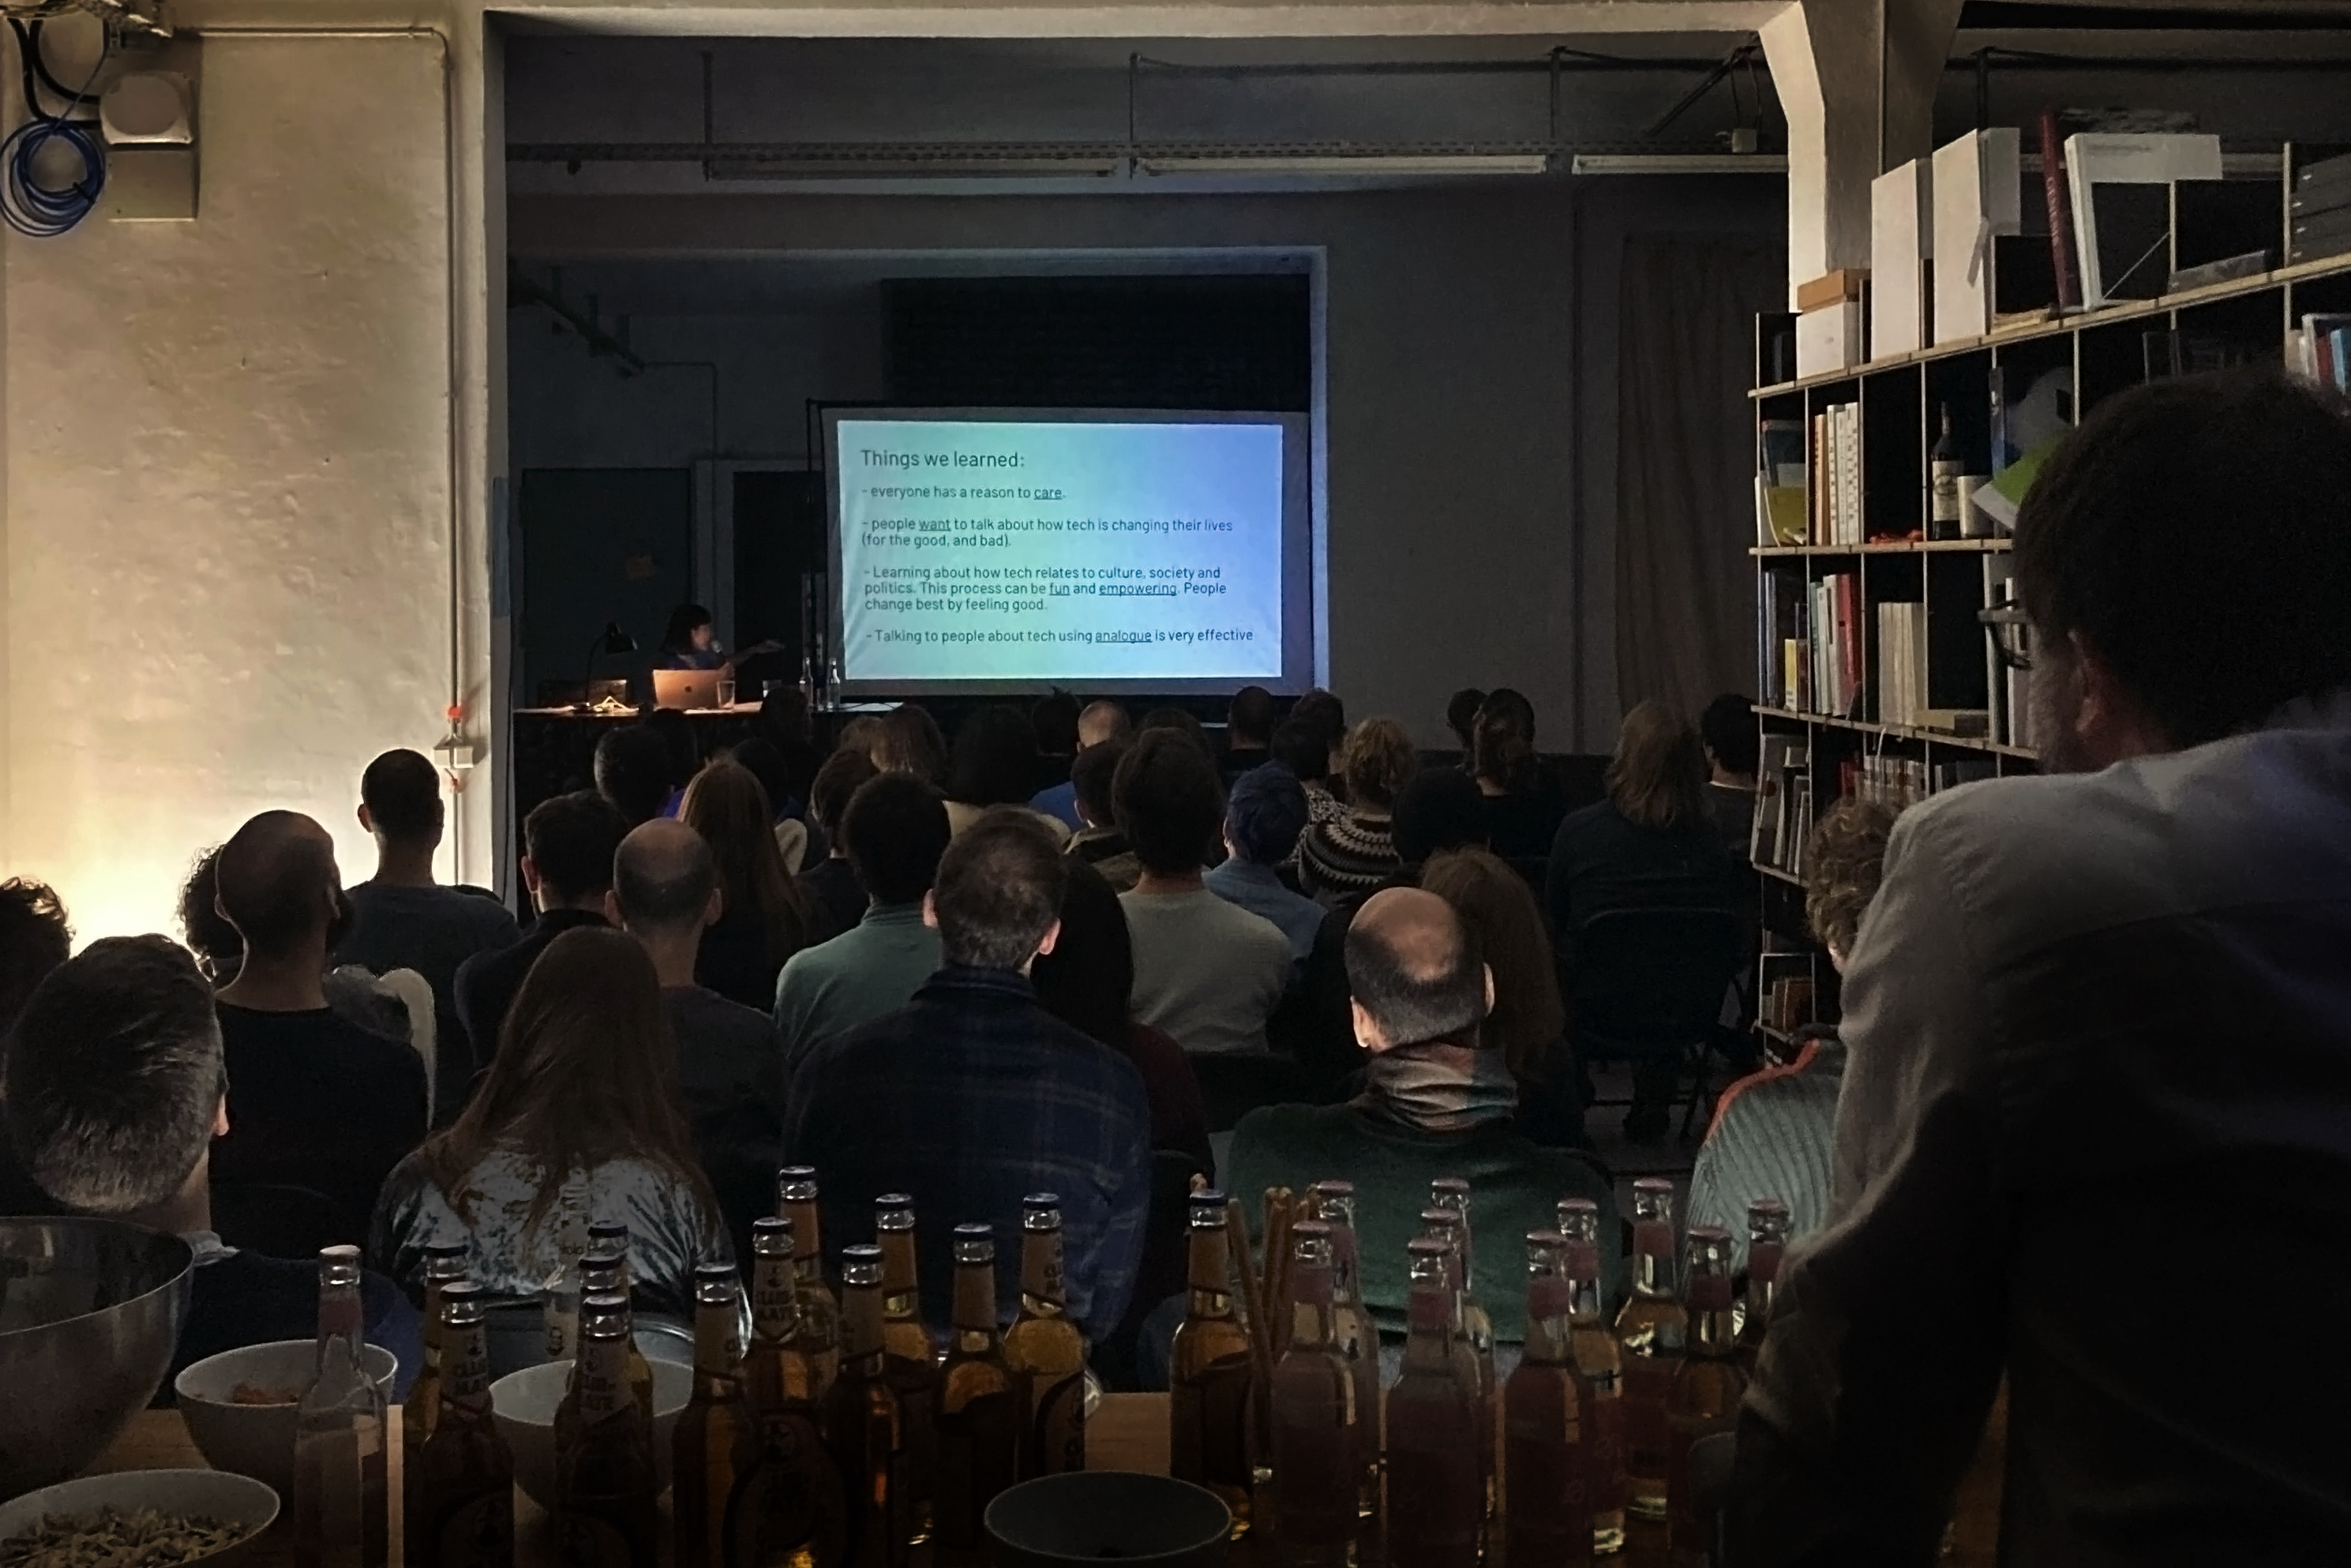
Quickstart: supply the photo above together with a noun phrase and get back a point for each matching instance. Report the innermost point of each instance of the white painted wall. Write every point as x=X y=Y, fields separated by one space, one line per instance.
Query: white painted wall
x=228 y=507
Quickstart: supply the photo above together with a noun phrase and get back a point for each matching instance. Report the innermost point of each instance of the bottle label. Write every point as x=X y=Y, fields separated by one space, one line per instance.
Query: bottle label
x=466 y=1377
x=1058 y=1435
x=773 y=1295
x=790 y=1502
x=476 y=1531
x=603 y=1378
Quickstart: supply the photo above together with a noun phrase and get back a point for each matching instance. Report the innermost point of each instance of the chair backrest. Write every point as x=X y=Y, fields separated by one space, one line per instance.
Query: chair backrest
x=277 y=1221
x=1653 y=977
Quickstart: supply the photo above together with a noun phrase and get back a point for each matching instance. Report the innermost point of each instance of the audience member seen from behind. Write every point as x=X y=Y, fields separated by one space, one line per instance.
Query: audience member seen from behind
x=315 y=1100
x=2092 y=1015
x=632 y=772
x=1523 y=810
x=994 y=763
x=1053 y=719
x=1462 y=718
x=567 y=869
x=786 y=724
x=730 y=1077
x=581 y=1098
x=1527 y=1026
x=834 y=898
x=973 y=1096
x=909 y=741
x=764 y=921
x=1357 y=852
x=1264 y=815
x=34 y=938
x=764 y=763
x=1184 y=722
x=1302 y=747
x=114 y=1090
x=895 y=830
x=1733 y=752
x=1436 y=1102
x=1206 y=971
x=1100 y=843
x=1249 y=733
x=404 y=919
x=1097 y=723
x=1773 y=1130
x=1650 y=845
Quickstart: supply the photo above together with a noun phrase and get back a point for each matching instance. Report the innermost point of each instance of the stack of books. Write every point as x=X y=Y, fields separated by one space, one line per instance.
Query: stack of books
x=1897 y=782
x=1835 y=645
x=2321 y=215
x=1784 y=804
x=1901 y=662
x=1835 y=469
x=2319 y=351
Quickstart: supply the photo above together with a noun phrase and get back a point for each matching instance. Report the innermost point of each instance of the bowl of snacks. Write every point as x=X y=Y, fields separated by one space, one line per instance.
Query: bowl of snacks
x=242 y=1406
x=524 y=1404
x=157 y=1519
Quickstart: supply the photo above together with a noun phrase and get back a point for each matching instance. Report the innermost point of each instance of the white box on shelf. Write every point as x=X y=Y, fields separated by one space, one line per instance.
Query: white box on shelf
x=1901 y=241
x=1828 y=338
x=1976 y=196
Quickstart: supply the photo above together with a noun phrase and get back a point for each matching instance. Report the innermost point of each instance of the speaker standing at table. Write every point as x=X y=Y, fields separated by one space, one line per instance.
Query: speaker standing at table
x=692 y=643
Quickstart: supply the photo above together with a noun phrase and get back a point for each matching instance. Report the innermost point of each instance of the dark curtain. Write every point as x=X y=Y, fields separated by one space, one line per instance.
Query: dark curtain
x=1685 y=466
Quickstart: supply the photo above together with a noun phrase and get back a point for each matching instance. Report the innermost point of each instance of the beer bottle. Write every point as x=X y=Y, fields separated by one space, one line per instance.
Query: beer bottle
x=460 y=1485
x=1767 y=1247
x=1437 y=1503
x=1473 y=1336
x=791 y=1508
x=444 y=1264
x=1353 y=1333
x=861 y=1424
x=912 y=1364
x=1598 y=1375
x=562 y=1294
x=716 y=1441
x=1545 y=1476
x=606 y=1489
x=981 y=1409
x=1318 y=1443
x=820 y=1311
x=1045 y=1348
x=603 y=1273
x=1650 y=1327
x=1707 y=1387
x=1210 y=1375
x=342 y=1516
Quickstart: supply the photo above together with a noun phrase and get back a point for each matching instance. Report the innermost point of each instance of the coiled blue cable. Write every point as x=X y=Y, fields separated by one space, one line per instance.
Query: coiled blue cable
x=31 y=205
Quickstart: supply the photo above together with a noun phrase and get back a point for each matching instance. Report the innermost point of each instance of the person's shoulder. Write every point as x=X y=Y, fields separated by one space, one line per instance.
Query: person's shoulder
x=849 y=1056
x=1271 y=1128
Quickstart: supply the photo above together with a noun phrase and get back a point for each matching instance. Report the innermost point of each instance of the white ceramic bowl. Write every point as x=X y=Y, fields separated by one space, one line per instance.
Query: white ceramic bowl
x=196 y=1494
x=257 y=1440
x=1085 y=1516
x=523 y=1403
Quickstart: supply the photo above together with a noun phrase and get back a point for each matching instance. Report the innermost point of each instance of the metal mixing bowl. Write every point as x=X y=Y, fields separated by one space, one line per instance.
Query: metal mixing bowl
x=89 y=1315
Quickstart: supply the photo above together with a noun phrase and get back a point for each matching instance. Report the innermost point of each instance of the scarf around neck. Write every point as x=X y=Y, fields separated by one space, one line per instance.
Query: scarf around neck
x=1439 y=1086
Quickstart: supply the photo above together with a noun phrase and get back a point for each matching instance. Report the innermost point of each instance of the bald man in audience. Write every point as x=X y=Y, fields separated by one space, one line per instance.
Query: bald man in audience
x=730 y=1070
x=315 y=1100
x=1098 y=722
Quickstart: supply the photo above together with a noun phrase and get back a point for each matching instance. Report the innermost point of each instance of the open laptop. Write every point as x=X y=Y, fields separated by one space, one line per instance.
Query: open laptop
x=686 y=688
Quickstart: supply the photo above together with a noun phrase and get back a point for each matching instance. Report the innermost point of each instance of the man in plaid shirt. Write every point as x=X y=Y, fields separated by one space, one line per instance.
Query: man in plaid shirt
x=973 y=1096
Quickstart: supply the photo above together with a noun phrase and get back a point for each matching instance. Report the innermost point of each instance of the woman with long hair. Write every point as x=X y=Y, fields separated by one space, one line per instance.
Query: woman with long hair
x=1523 y=810
x=578 y=1109
x=909 y=741
x=1529 y=1022
x=764 y=919
x=994 y=763
x=1357 y=852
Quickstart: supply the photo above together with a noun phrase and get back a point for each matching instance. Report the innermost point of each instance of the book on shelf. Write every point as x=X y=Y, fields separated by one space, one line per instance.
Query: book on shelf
x=1835 y=468
x=1780 y=605
x=1835 y=654
x=1784 y=757
x=1796 y=798
x=1780 y=482
x=1967 y=770
x=2319 y=351
x=1901 y=662
x=1784 y=991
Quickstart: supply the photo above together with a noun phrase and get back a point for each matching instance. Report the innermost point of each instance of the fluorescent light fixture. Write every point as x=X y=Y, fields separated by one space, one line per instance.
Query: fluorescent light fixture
x=959 y=168
x=1680 y=163
x=1340 y=163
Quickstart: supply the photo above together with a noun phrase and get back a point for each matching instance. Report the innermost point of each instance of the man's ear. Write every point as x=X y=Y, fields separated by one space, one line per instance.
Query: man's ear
x=1053 y=934
x=367 y=819
x=1489 y=987
x=612 y=910
x=530 y=875
x=2109 y=724
x=1367 y=1029
x=931 y=909
x=715 y=908
x=220 y=1117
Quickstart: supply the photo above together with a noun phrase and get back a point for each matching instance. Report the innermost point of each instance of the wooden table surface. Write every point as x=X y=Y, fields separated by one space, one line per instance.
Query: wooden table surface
x=1127 y=1432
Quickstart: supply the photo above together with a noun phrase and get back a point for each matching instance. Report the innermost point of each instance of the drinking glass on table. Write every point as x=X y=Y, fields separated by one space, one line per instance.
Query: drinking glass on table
x=725 y=691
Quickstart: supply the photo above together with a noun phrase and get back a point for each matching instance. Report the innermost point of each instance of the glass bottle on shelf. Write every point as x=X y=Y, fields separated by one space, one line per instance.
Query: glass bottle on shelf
x=1353 y=1333
x=607 y=1513
x=1943 y=467
x=1767 y=1247
x=1317 y=1421
x=715 y=1442
x=1706 y=1388
x=1209 y=1372
x=1046 y=1348
x=561 y=1294
x=1599 y=1373
x=819 y=1311
x=1546 y=1473
x=1436 y=1512
x=792 y=1506
x=1649 y=1330
x=461 y=1489
x=444 y=1265
x=1473 y=1335
x=604 y=1271
x=980 y=1408
x=910 y=1360
x=862 y=1423
x=341 y=1509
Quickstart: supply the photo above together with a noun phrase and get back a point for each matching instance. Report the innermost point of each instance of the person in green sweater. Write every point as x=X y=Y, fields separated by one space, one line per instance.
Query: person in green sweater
x=1435 y=1102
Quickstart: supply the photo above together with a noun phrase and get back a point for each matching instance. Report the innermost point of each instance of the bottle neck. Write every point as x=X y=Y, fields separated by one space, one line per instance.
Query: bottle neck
x=1428 y=1329
x=715 y=1351
x=465 y=1373
x=901 y=1280
x=1763 y=1286
x=1652 y=1258
x=342 y=1322
x=974 y=1306
x=1210 y=1275
x=1710 y=1315
x=775 y=1305
x=1345 y=1264
x=1551 y=1311
x=1310 y=1310
x=807 y=1238
x=861 y=1327
x=1042 y=1287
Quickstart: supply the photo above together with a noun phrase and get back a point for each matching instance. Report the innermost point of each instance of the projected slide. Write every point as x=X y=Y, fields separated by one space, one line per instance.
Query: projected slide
x=1072 y=551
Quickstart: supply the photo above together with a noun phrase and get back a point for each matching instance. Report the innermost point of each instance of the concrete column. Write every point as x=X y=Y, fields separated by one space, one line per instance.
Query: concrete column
x=1857 y=80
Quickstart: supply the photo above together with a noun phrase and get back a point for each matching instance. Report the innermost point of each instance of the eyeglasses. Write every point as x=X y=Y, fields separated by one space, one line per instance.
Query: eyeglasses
x=2012 y=635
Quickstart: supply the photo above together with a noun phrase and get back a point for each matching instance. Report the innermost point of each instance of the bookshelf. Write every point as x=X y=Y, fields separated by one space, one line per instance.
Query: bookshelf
x=1907 y=701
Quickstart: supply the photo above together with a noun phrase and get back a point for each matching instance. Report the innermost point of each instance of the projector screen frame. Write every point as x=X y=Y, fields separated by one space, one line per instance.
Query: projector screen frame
x=1302 y=545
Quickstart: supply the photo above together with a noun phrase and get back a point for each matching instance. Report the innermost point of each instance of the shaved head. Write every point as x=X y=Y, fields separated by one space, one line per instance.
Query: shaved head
x=663 y=877
x=1102 y=721
x=1415 y=970
x=278 y=882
